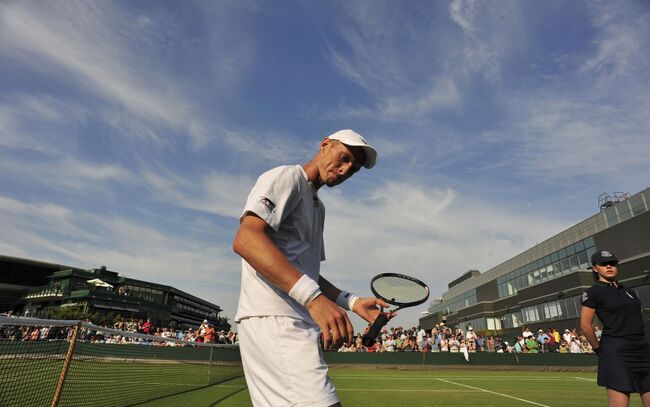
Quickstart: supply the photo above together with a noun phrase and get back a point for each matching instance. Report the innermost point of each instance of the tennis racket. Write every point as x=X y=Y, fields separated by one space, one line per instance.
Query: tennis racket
x=395 y=289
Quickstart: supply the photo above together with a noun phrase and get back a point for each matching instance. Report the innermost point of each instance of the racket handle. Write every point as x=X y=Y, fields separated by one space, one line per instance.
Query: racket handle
x=372 y=334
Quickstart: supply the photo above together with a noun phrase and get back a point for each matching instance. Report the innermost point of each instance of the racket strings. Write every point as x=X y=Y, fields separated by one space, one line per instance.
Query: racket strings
x=399 y=289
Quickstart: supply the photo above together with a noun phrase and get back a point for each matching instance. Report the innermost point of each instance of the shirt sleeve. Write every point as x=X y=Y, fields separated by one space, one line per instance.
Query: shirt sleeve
x=589 y=299
x=274 y=196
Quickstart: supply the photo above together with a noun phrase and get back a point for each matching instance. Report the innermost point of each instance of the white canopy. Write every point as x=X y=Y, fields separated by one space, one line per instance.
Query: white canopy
x=99 y=283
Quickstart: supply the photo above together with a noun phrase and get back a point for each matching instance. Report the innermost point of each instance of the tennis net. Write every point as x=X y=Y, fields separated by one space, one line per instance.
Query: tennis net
x=75 y=363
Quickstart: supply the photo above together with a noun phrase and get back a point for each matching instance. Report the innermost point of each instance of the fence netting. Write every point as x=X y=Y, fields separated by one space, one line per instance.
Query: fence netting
x=74 y=363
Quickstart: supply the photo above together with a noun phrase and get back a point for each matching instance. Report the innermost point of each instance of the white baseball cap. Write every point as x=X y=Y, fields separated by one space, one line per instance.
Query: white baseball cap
x=354 y=139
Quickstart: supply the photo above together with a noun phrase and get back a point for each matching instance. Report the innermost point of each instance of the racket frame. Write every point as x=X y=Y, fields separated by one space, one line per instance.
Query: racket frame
x=372 y=334
x=392 y=301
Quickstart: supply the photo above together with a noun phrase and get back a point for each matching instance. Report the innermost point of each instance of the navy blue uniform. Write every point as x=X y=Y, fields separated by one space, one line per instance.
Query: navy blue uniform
x=624 y=353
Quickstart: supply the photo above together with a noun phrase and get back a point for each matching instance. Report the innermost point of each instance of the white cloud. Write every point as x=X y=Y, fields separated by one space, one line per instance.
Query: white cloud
x=479 y=56
x=34 y=121
x=443 y=94
x=271 y=145
x=218 y=193
x=396 y=65
x=435 y=234
x=595 y=124
x=622 y=35
x=127 y=155
x=589 y=144
x=133 y=248
x=463 y=13
x=104 y=50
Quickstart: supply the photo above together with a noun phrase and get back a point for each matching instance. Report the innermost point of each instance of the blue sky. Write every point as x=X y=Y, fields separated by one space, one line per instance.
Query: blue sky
x=131 y=132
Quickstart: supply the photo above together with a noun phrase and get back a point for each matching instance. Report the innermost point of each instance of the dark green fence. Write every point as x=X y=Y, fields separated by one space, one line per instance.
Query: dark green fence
x=475 y=359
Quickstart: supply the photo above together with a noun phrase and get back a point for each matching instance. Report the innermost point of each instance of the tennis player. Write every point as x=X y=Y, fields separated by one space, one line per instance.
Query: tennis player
x=284 y=304
x=623 y=351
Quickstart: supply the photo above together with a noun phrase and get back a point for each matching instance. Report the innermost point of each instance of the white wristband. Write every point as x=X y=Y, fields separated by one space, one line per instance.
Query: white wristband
x=346 y=300
x=313 y=297
x=304 y=290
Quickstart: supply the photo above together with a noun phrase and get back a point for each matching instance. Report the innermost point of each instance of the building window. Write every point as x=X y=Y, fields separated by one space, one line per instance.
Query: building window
x=624 y=212
x=493 y=324
x=583 y=260
x=637 y=204
x=611 y=217
x=552 y=310
x=531 y=314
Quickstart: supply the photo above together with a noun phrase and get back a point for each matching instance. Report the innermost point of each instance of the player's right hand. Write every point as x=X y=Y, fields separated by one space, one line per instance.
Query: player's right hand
x=332 y=320
x=370 y=308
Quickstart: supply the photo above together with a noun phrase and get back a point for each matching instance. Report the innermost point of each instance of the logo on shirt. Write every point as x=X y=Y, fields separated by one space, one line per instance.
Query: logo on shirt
x=585 y=296
x=268 y=204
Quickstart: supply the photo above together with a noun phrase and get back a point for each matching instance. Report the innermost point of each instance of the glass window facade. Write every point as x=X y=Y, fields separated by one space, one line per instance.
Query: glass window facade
x=628 y=208
x=560 y=309
x=512 y=320
x=481 y=324
x=564 y=261
x=567 y=260
x=145 y=293
x=638 y=204
x=564 y=308
x=186 y=305
x=453 y=305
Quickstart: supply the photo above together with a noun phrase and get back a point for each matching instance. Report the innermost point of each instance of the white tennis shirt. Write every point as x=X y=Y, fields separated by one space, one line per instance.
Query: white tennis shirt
x=288 y=202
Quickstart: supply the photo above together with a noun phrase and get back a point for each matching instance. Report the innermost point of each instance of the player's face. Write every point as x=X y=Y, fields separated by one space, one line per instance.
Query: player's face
x=607 y=271
x=339 y=162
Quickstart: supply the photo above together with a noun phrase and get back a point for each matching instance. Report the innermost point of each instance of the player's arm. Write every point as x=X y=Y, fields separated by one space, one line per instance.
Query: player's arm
x=366 y=308
x=586 y=324
x=253 y=244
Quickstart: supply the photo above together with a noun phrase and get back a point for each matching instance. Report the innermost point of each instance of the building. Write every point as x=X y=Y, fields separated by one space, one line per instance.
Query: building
x=18 y=275
x=542 y=286
x=40 y=289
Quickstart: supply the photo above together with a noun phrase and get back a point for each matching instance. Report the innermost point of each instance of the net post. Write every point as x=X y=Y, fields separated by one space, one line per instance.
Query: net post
x=210 y=366
x=66 y=365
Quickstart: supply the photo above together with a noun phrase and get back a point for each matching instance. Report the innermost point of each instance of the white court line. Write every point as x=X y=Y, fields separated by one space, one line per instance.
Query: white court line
x=494 y=392
x=584 y=378
x=381 y=390
x=409 y=390
x=518 y=378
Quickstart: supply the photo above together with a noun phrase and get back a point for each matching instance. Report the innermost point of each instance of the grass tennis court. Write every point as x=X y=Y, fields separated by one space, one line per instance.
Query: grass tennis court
x=110 y=375
x=174 y=384
x=94 y=383
x=360 y=387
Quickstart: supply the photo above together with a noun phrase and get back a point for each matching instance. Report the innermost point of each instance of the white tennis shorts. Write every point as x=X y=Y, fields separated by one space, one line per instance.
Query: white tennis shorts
x=283 y=363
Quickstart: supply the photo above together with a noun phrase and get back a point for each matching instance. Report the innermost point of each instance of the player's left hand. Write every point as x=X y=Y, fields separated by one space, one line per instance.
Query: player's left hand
x=370 y=308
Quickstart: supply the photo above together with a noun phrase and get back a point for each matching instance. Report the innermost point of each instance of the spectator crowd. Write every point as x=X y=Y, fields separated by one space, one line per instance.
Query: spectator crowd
x=205 y=333
x=398 y=339
x=444 y=339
